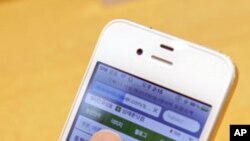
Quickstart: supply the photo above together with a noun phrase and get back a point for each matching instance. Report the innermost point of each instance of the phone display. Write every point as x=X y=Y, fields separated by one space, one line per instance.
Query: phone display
x=136 y=109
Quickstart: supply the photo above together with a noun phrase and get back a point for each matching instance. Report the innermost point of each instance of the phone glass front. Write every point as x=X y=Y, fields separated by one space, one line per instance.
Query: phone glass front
x=136 y=109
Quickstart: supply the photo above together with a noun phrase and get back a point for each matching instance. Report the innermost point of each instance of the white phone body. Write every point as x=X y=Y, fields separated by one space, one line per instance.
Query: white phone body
x=189 y=73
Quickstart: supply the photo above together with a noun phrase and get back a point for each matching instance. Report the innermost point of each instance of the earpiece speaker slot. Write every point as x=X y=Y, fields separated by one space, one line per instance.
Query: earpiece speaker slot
x=162 y=60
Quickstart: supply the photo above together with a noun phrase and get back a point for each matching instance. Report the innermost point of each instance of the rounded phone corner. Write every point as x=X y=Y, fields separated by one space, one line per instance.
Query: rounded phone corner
x=113 y=22
x=230 y=64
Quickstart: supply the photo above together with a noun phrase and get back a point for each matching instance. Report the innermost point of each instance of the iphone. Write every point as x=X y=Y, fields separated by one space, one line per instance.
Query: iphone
x=149 y=86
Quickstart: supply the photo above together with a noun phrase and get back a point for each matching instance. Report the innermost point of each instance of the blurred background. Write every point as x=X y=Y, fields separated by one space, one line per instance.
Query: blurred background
x=45 y=46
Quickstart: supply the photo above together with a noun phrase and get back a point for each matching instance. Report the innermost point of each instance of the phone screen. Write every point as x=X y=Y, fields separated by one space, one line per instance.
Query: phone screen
x=136 y=109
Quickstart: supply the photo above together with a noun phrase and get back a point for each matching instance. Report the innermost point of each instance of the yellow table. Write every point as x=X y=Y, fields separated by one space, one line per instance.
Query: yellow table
x=45 y=46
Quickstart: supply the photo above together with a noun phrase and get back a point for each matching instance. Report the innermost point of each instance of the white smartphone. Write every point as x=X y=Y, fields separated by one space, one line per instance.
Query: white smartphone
x=149 y=86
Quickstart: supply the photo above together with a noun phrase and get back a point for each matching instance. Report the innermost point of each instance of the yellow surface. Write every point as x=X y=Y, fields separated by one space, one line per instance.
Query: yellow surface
x=45 y=46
